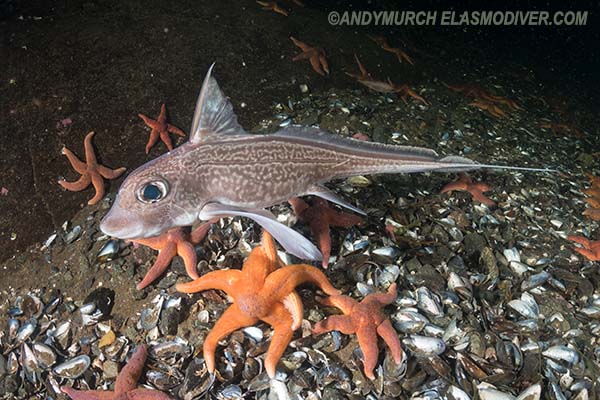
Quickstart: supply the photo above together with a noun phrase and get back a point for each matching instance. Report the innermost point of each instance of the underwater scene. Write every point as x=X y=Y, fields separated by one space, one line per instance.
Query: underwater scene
x=299 y=199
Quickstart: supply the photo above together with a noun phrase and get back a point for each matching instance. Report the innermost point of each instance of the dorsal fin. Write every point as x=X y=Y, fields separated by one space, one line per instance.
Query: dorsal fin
x=214 y=116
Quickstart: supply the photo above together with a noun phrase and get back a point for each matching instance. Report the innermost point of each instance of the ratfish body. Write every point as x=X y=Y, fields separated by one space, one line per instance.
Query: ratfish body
x=224 y=171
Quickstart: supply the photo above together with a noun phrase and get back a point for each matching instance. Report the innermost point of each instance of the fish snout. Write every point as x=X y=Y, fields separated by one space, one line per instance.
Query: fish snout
x=119 y=224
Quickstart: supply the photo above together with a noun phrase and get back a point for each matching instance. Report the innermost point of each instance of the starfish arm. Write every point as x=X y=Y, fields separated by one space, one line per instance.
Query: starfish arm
x=110 y=173
x=76 y=163
x=298 y=206
x=75 y=394
x=293 y=303
x=322 y=235
x=231 y=320
x=222 y=280
x=98 y=184
x=270 y=250
x=581 y=240
x=188 y=253
x=284 y=280
x=589 y=254
x=342 y=219
x=344 y=303
x=592 y=213
x=148 y=121
x=90 y=156
x=175 y=130
x=152 y=139
x=302 y=56
x=201 y=231
x=316 y=64
x=303 y=46
x=367 y=340
x=147 y=394
x=281 y=321
x=132 y=371
x=166 y=139
x=165 y=255
x=385 y=298
x=342 y=323
x=390 y=337
x=78 y=185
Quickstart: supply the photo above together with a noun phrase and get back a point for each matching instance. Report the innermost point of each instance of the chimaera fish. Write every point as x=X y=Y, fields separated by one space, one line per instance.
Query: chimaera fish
x=224 y=171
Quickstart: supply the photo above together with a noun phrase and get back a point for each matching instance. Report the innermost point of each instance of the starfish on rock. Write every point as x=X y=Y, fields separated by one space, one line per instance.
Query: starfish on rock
x=476 y=189
x=319 y=218
x=91 y=171
x=367 y=320
x=171 y=243
x=160 y=128
x=260 y=291
x=590 y=249
x=125 y=385
x=316 y=56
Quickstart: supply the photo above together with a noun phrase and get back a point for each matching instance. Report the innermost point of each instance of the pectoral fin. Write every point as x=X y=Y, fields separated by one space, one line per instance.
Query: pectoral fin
x=292 y=241
x=327 y=194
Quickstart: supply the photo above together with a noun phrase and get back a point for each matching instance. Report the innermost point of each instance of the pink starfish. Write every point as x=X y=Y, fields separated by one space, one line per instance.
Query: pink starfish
x=125 y=385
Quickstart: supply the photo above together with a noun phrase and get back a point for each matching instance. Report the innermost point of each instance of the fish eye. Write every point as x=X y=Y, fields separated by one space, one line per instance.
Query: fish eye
x=152 y=192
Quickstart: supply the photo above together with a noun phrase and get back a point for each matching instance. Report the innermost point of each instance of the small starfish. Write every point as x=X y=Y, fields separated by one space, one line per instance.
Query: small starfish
x=260 y=291
x=364 y=75
x=558 y=128
x=161 y=128
x=466 y=184
x=272 y=5
x=316 y=56
x=404 y=91
x=319 y=218
x=125 y=385
x=400 y=54
x=90 y=171
x=482 y=96
x=171 y=243
x=590 y=250
x=491 y=108
x=367 y=320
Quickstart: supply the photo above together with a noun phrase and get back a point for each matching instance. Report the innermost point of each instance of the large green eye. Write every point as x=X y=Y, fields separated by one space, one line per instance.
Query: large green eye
x=152 y=192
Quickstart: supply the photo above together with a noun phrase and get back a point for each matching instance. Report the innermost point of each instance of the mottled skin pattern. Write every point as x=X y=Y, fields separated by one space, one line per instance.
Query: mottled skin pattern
x=224 y=171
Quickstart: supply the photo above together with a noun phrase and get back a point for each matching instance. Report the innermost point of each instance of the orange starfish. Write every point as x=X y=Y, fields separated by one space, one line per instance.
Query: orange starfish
x=558 y=128
x=316 y=56
x=367 y=320
x=125 y=385
x=404 y=91
x=482 y=96
x=491 y=108
x=161 y=128
x=400 y=54
x=590 y=250
x=319 y=218
x=260 y=291
x=594 y=200
x=91 y=171
x=171 y=243
x=466 y=184
x=272 y=5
